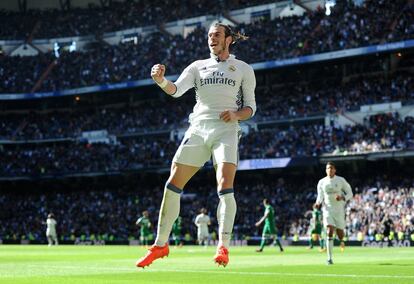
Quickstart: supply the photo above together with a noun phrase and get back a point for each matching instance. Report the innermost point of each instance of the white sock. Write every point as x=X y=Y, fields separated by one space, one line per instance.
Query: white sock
x=169 y=211
x=329 y=247
x=226 y=212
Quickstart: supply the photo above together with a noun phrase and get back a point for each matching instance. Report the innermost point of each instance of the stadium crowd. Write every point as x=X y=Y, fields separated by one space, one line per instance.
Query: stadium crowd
x=147 y=116
x=351 y=26
x=105 y=209
x=382 y=132
x=291 y=101
x=378 y=211
x=293 y=36
x=108 y=209
x=115 y=16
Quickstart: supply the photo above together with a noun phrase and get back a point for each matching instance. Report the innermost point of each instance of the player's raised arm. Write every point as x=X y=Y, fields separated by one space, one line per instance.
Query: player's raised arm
x=157 y=74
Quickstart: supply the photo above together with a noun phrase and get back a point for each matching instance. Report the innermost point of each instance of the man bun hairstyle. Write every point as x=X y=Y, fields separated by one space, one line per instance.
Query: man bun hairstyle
x=228 y=31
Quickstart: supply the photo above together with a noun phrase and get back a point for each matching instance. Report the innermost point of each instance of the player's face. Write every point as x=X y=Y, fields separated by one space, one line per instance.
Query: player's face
x=217 y=40
x=330 y=170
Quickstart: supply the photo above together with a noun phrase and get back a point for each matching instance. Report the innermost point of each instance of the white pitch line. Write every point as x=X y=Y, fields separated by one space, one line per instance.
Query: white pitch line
x=151 y=270
x=285 y=274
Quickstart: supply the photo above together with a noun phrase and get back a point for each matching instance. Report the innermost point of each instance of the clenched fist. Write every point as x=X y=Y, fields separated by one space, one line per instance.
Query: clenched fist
x=157 y=72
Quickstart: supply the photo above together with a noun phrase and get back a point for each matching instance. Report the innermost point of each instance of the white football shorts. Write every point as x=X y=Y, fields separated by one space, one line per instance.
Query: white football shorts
x=202 y=235
x=209 y=138
x=334 y=218
x=51 y=233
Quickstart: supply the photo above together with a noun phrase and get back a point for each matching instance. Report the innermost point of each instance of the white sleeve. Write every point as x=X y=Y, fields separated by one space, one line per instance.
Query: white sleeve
x=197 y=221
x=185 y=81
x=319 y=199
x=248 y=87
x=347 y=191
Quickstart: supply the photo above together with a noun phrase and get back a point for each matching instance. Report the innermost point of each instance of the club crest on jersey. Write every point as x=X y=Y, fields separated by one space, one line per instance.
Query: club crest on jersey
x=232 y=68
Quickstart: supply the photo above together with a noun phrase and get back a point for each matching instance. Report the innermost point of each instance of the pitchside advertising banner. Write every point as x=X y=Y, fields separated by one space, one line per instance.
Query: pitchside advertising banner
x=372 y=49
x=384 y=244
x=255 y=164
x=252 y=241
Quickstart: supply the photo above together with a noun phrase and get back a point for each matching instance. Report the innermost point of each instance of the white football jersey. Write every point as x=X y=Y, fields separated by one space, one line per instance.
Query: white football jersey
x=51 y=226
x=219 y=86
x=329 y=188
x=202 y=222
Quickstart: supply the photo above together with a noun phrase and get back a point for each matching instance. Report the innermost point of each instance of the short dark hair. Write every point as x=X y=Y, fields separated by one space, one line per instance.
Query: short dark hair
x=228 y=31
x=331 y=164
x=266 y=201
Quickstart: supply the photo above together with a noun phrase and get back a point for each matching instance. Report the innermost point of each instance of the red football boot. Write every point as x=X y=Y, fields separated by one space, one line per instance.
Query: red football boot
x=154 y=252
x=222 y=256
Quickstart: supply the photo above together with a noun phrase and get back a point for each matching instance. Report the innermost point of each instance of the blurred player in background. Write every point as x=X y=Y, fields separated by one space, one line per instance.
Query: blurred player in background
x=145 y=227
x=202 y=221
x=176 y=232
x=269 y=229
x=333 y=193
x=51 y=230
x=315 y=228
x=225 y=95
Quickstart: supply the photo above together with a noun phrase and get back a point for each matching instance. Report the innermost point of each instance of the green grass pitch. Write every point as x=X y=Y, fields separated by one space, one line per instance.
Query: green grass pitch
x=191 y=264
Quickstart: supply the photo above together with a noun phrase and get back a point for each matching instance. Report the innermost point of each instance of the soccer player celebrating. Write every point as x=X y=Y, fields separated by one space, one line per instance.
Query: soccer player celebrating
x=145 y=225
x=51 y=230
x=225 y=95
x=333 y=192
x=315 y=228
x=202 y=221
x=269 y=229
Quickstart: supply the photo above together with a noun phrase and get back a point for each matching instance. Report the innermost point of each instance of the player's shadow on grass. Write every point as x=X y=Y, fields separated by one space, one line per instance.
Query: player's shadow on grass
x=397 y=264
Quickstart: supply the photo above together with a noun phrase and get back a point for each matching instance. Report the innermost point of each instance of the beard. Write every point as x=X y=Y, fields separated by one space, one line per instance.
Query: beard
x=221 y=49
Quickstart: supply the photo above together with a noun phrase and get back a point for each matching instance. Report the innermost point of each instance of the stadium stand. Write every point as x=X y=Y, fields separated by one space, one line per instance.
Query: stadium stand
x=48 y=165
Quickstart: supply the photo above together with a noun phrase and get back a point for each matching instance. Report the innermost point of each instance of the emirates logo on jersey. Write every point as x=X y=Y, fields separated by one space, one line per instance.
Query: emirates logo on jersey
x=217 y=78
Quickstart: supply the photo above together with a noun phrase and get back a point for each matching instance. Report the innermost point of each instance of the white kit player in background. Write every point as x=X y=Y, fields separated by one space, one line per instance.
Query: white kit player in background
x=51 y=230
x=333 y=193
x=224 y=88
x=202 y=221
